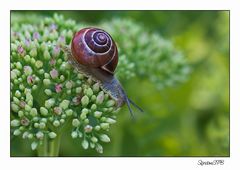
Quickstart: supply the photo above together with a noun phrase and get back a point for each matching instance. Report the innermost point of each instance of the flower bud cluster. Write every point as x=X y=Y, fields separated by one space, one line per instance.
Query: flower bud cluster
x=47 y=92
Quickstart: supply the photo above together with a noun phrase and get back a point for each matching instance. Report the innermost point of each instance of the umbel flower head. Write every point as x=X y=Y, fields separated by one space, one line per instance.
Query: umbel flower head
x=47 y=92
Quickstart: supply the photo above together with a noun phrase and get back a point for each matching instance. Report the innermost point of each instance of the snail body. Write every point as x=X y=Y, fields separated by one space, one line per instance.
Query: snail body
x=94 y=53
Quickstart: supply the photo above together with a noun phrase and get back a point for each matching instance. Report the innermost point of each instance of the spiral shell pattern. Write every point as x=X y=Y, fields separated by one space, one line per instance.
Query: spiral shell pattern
x=94 y=47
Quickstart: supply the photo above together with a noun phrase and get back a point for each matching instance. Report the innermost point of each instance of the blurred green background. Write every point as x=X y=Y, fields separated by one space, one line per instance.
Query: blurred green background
x=191 y=119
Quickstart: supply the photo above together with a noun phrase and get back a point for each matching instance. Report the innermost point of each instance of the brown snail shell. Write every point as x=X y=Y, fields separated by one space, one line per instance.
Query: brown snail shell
x=94 y=53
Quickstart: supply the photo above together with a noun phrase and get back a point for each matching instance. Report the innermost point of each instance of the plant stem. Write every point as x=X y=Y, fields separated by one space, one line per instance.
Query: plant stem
x=54 y=146
x=43 y=148
x=49 y=147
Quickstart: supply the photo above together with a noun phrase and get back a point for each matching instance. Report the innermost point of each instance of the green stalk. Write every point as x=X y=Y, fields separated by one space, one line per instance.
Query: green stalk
x=49 y=147
x=54 y=146
x=43 y=147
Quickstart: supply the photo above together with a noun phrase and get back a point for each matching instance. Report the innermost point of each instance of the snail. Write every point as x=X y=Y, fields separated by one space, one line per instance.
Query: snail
x=94 y=53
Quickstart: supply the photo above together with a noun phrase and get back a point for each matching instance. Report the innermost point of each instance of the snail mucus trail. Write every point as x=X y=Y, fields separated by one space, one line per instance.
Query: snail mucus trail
x=94 y=54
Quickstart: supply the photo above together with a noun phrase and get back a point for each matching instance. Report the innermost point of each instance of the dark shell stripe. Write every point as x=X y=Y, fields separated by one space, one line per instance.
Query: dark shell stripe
x=87 y=36
x=95 y=48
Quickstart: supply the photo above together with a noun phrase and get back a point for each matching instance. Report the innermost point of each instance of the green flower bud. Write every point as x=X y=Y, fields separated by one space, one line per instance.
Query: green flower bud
x=85 y=144
x=97 y=128
x=27 y=91
x=30 y=103
x=18 y=93
x=16 y=132
x=103 y=119
x=96 y=87
x=93 y=98
x=75 y=122
x=27 y=108
x=97 y=114
x=104 y=126
x=69 y=34
x=46 y=55
x=18 y=65
x=110 y=121
x=41 y=71
x=27 y=58
x=64 y=104
x=94 y=139
x=48 y=92
x=100 y=98
x=35 y=119
x=62 y=121
x=69 y=112
x=33 y=112
x=78 y=82
x=42 y=125
x=20 y=113
x=30 y=136
x=62 y=78
x=110 y=103
x=106 y=96
x=34 y=145
x=46 y=82
x=33 y=52
x=33 y=61
x=21 y=87
x=86 y=121
x=21 y=128
x=34 y=87
x=44 y=120
x=36 y=125
x=69 y=85
x=56 y=123
x=49 y=103
x=74 y=134
x=39 y=135
x=16 y=81
x=51 y=119
x=99 y=148
x=64 y=66
x=104 y=138
x=92 y=145
x=80 y=134
x=78 y=90
x=16 y=100
x=13 y=75
x=14 y=107
x=43 y=111
x=52 y=135
x=15 y=123
x=89 y=92
x=110 y=109
x=82 y=116
x=85 y=111
x=28 y=70
x=93 y=107
x=85 y=100
x=63 y=116
x=25 y=135
x=47 y=76
x=39 y=64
